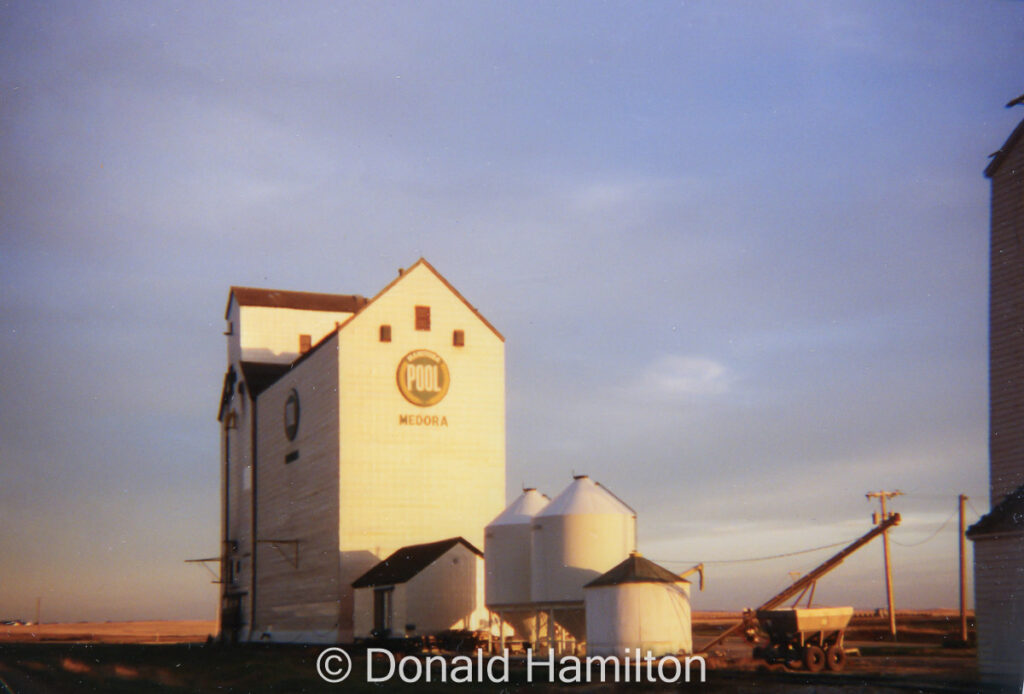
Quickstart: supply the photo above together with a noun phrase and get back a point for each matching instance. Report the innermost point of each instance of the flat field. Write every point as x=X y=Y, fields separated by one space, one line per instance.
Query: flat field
x=174 y=657
x=111 y=632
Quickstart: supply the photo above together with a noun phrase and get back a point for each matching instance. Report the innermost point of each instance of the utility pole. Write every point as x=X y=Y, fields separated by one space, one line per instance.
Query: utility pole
x=882 y=496
x=38 y=601
x=963 y=570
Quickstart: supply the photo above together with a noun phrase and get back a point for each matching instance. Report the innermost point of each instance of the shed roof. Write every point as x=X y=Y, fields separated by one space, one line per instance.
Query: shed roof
x=406 y=562
x=307 y=301
x=635 y=569
x=1006 y=517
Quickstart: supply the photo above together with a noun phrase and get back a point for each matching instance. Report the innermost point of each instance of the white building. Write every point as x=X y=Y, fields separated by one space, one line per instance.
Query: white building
x=350 y=428
x=422 y=589
x=999 y=536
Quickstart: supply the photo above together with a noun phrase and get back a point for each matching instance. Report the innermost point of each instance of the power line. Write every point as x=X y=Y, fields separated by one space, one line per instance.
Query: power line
x=743 y=561
x=980 y=514
x=930 y=537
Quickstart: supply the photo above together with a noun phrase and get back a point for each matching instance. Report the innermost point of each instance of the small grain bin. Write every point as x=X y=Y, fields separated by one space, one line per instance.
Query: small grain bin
x=582 y=533
x=508 y=556
x=507 y=551
x=638 y=605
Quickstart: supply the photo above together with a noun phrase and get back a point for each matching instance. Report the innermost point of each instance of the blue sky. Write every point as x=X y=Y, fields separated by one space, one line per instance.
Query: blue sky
x=738 y=250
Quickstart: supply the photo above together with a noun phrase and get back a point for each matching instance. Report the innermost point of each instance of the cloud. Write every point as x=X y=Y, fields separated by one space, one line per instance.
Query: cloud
x=679 y=375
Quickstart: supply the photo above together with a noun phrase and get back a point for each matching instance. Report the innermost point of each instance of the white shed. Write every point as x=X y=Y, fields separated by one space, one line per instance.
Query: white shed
x=422 y=589
x=638 y=604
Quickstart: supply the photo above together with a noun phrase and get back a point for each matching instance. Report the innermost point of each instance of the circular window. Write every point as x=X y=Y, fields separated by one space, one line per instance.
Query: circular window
x=291 y=415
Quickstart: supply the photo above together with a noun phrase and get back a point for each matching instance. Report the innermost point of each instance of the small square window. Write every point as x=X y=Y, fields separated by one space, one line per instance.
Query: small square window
x=423 y=318
x=305 y=343
x=385 y=333
x=459 y=338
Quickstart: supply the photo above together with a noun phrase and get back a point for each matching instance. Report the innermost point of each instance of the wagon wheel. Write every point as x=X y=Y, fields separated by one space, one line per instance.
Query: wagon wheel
x=835 y=658
x=814 y=658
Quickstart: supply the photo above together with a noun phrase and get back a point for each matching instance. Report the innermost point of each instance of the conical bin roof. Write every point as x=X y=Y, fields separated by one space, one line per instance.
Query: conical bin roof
x=635 y=569
x=522 y=510
x=585 y=496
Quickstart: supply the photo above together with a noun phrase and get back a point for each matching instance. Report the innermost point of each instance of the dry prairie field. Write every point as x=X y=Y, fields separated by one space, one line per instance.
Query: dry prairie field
x=175 y=657
x=195 y=631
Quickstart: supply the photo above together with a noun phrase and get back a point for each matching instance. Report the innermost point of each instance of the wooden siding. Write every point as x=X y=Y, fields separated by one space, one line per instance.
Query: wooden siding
x=448 y=594
x=298 y=501
x=361 y=483
x=999 y=597
x=1006 y=327
x=404 y=484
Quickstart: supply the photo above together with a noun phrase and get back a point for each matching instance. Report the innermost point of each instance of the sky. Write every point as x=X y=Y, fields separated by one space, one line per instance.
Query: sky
x=738 y=251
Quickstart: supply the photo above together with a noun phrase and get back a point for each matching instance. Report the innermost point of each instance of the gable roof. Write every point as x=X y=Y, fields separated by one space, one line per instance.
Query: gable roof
x=403 y=273
x=999 y=156
x=306 y=301
x=635 y=569
x=1006 y=517
x=226 y=391
x=261 y=375
x=406 y=562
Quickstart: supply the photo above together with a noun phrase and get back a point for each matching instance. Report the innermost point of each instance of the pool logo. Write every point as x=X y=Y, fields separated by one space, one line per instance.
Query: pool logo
x=423 y=378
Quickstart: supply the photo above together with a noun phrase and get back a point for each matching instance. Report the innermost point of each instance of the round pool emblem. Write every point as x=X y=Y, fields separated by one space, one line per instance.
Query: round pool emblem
x=423 y=378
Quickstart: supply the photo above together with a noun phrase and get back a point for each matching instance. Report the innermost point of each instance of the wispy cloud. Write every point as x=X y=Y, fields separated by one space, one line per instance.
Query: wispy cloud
x=680 y=375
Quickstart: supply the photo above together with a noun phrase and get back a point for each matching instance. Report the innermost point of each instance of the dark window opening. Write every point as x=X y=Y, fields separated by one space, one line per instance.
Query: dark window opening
x=291 y=457
x=385 y=333
x=305 y=343
x=459 y=338
x=423 y=318
x=291 y=415
x=382 y=611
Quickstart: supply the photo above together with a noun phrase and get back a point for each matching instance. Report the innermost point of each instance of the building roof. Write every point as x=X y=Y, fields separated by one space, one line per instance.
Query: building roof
x=585 y=495
x=636 y=569
x=226 y=391
x=261 y=375
x=999 y=156
x=1006 y=517
x=522 y=510
x=446 y=283
x=306 y=301
x=406 y=562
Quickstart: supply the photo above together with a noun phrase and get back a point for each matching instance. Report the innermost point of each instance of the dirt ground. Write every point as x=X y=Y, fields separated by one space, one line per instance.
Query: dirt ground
x=174 y=657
